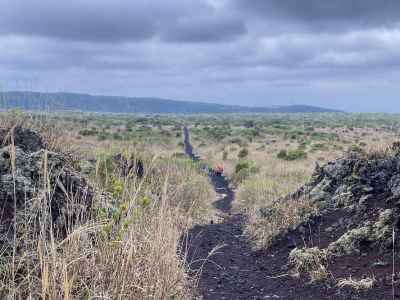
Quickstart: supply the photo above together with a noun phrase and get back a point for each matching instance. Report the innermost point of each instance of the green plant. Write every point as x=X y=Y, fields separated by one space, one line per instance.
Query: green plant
x=355 y=148
x=292 y=154
x=243 y=170
x=242 y=165
x=282 y=154
x=243 y=153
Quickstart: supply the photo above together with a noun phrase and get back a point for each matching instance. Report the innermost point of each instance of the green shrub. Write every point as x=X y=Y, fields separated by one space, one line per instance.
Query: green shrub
x=296 y=154
x=243 y=153
x=116 y=186
x=88 y=132
x=282 y=154
x=242 y=165
x=355 y=148
x=292 y=154
x=243 y=170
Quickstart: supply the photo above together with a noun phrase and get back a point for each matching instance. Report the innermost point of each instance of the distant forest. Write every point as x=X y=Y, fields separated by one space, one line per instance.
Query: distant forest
x=114 y=104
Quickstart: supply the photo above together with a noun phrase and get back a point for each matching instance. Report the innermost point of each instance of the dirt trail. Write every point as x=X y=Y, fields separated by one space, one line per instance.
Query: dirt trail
x=235 y=271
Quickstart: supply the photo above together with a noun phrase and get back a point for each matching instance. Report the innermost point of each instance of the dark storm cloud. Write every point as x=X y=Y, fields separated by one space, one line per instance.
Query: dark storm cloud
x=256 y=52
x=117 y=20
x=77 y=20
x=350 y=10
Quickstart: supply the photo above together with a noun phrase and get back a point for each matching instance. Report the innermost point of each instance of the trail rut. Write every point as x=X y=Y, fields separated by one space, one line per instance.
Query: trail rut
x=236 y=271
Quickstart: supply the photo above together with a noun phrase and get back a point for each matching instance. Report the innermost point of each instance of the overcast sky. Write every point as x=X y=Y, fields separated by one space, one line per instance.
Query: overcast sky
x=339 y=53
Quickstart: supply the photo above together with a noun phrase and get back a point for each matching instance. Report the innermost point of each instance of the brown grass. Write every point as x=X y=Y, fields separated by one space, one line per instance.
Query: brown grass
x=312 y=261
x=133 y=253
x=357 y=285
x=269 y=215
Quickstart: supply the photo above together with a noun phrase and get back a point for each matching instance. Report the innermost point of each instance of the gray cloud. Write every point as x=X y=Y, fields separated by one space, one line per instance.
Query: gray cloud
x=381 y=12
x=117 y=20
x=257 y=52
x=77 y=20
x=205 y=29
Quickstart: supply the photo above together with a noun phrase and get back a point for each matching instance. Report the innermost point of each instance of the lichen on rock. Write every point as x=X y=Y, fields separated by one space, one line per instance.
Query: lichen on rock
x=33 y=179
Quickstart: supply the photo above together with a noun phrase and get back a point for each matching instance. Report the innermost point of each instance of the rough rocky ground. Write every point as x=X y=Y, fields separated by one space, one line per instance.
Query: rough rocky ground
x=236 y=271
x=33 y=179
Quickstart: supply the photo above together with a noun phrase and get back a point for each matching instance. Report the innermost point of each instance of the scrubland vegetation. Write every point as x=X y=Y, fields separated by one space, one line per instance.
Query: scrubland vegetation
x=122 y=239
x=122 y=244
x=272 y=160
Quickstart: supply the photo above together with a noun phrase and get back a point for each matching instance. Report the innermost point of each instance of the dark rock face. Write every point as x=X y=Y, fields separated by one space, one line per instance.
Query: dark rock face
x=367 y=191
x=351 y=178
x=31 y=177
x=25 y=139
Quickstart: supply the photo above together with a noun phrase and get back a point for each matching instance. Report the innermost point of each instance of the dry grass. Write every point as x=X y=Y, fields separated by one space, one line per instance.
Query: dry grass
x=276 y=218
x=132 y=253
x=277 y=178
x=311 y=261
x=357 y=285
x=269 y=215
x=56 y=135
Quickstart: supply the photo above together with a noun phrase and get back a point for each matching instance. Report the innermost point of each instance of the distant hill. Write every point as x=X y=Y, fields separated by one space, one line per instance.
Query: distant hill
x=115 y=104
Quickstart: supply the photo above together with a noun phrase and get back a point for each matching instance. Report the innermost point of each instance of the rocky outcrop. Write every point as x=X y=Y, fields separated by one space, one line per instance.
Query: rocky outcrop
x=344 y=181
x=35 y=179
x=23 y=138
x=367 y=190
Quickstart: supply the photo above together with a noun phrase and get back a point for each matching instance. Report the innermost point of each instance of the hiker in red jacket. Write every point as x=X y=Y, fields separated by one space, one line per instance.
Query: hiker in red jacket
x=218 y=170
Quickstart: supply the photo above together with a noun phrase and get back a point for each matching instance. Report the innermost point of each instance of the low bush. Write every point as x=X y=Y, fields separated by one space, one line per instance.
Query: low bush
x=355 y=148
x=88 y=132
x=243 y=170
x=291 y=155
x=282 y=154
x=243 y=153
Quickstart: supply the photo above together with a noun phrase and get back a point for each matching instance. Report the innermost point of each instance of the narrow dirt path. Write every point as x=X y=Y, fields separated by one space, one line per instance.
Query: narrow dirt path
x=233 y=271
x=236 y=271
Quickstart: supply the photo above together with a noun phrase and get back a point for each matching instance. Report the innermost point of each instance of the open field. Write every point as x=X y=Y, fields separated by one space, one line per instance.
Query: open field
x=123 y=237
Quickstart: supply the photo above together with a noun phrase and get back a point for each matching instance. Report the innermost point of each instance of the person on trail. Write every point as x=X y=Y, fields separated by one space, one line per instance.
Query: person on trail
x=218 y=170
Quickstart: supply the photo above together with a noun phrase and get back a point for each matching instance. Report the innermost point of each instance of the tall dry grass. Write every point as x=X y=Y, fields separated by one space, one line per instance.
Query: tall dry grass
x=127 y=246
x=261 y=198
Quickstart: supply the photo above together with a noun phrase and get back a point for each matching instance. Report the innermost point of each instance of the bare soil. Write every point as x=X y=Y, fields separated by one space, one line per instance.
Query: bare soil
x=237 y=271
